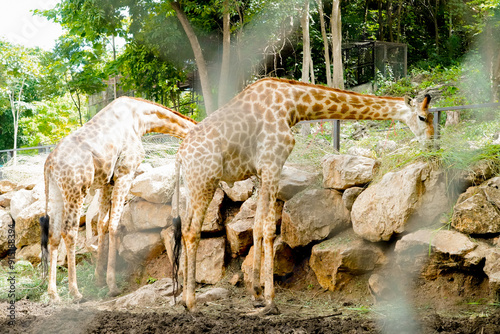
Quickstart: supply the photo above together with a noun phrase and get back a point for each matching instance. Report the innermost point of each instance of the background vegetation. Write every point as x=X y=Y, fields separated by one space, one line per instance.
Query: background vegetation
x=451 y=43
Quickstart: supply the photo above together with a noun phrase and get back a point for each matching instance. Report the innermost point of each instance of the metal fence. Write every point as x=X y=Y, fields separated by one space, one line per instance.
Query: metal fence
x=161 y=147
x=437 y=120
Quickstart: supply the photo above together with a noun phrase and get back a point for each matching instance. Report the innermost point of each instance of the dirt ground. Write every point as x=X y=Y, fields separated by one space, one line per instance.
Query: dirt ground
x=450 y=303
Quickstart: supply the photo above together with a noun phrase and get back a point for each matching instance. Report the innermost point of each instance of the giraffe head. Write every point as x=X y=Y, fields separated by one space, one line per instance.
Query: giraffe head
x=419 y=119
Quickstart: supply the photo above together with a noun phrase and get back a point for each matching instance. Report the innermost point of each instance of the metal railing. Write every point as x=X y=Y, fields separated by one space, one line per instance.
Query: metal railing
x=335 y=131
x=437 y=120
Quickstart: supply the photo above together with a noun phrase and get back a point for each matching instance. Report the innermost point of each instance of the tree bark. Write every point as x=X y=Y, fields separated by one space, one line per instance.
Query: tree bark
x=398 y=32
x=16 y=112
x=380 y=21
x=306 y=55
x=389 y=20
x=226 y=48
x=452 y=118
x=336 y=24
x=198 y=55
x=325 y=43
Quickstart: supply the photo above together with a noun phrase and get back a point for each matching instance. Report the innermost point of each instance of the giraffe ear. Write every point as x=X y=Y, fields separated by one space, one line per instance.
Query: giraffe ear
x=407 y=101
x=426 y=102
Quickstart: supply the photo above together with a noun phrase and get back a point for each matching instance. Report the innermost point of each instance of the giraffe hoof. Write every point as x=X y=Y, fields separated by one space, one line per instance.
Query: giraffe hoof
x=79 y=300
x=113 y=293
x=269 y=309
x=55 y=299
x=258 y=303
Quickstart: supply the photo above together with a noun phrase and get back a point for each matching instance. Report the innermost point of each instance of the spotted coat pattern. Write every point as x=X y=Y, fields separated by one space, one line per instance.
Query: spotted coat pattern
x=251 y=135
x=103 y=154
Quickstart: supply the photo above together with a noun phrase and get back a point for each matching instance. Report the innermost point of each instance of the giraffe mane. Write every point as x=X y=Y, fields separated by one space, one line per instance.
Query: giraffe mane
x=161 y=106
x=306 y=84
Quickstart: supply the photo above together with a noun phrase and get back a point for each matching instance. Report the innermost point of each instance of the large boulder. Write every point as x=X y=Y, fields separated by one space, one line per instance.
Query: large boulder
x=344 y=171
x=19 y=201
x=138 y=247
x=6 y=230
x=6 y=198
x=284 y=262
x=156 y=185
x=412 y=250
x=336 y=259
x=27 y=224
x=240 y=191
x=30 y=253
x=140 y=215
x=313 y=215
x=209 y=259
x=7 y=186
x=478 y=209
x=385 y=208
x=349 y=196
x=294 y=180
x=239 y=230
x=213 y=218
x=151 y=295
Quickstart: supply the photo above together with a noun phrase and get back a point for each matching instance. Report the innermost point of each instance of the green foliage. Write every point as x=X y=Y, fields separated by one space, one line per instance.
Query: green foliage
x=145 y=71
x=30 y=285
x=50 y=121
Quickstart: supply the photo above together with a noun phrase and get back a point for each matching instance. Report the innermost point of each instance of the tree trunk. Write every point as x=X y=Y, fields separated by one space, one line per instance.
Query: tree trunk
x=380 y=21
x=16 y=113
x=306 y=55
x=77 y=105
x=492 y=59
x=14 y=118
x=325 y=43
x=452 y=118
x=226 y=47
x=389 y=20
x=365 y=33
x=336 y=24
x=306 y=52
x=198 y=55
x=398 y=32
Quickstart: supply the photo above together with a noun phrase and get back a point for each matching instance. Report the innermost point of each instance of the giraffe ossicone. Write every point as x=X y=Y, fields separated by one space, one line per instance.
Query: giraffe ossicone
x=251 y=135
x=103 y=154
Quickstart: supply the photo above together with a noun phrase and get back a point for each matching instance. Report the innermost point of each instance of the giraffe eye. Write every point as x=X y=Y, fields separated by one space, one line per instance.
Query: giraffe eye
x=422 y=118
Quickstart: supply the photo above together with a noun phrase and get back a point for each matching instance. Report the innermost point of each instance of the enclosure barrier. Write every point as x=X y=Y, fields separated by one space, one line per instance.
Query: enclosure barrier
x=437 y=120
x=172 y=143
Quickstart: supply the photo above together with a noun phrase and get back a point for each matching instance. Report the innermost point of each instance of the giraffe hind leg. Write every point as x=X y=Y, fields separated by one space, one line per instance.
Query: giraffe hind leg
x=70 y=234
x=102 y=229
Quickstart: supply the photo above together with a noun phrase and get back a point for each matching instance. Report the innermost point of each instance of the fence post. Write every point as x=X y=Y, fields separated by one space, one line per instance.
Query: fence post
x=336 y=134
x=437 y=129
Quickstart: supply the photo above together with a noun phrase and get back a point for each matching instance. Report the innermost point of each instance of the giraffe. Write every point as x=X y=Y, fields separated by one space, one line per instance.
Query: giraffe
x=251 y=135
x=103 y=154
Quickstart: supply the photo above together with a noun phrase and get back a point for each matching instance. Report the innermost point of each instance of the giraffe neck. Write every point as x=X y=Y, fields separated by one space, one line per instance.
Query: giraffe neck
x=310 y=102
x=154 y=117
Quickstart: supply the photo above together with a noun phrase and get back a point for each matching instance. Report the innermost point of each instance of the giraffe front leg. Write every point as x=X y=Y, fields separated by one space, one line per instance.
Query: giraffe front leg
x=119 y=193
x=257 y=258
x=264 y=232
x=269 y=236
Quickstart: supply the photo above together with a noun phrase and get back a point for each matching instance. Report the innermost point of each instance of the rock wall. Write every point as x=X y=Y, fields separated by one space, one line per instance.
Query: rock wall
x=342 y=222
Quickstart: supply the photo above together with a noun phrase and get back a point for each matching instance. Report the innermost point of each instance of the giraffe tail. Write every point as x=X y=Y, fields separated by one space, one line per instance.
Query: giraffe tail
x=44 y=229
x=177 y=227
x=177 y=251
